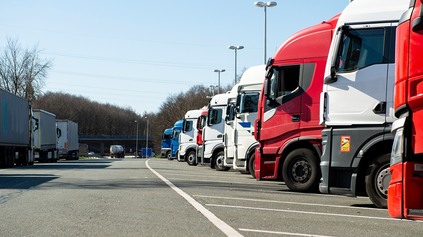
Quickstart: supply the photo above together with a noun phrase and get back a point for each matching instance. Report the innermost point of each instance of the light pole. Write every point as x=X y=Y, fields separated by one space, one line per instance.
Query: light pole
x=218 y=79
x=236 y=48
x=265 y=5
x=146 y=142
x=136 y=143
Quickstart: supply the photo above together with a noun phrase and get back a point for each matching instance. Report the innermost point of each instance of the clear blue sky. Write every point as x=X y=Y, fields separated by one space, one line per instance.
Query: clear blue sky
x=136 y=53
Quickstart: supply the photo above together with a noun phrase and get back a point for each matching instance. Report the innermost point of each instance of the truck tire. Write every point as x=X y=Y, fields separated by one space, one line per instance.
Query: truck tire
x=301 y=171
x=191 y=158
x=377 y=180
x=219 y=164
x=251 y=165
x=169 y=155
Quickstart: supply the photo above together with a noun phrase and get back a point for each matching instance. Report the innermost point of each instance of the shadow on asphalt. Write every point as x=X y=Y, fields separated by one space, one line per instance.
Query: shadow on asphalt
x=24 y=181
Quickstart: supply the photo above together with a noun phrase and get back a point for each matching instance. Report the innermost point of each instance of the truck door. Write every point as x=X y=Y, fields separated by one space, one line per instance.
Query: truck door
x=364 y=58
x=282 y=109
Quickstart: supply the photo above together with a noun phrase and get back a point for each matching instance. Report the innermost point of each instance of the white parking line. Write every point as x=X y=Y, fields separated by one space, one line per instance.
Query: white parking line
x=302 y=212
x=294 y=203
x=282 y=233
x=225 y=228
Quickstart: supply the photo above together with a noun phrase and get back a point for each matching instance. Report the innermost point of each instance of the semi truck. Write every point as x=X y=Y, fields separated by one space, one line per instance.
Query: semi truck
x=213 y=147
x=165 y=150
x=287 y=126
x=16 y=131
x=67 y=139
x=405 y=192
x=240 y=143
x=45 y=136
x=174 y=141
x=187 y=138
x=357 y=101
x=201 y=123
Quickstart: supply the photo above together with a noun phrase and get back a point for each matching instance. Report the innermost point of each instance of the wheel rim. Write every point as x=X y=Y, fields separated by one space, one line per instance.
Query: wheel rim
x=301 y=171
x=382 y=180
x=219 y=161
x=191 y=158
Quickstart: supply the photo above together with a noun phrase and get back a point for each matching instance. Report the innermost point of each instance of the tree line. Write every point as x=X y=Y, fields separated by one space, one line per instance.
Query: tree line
x=23 y=72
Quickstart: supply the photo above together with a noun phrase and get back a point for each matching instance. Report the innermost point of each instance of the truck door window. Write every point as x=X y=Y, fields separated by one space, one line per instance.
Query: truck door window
x=360 y=48
x=187 y=126
x=167 y=136
x=176 y=134
x=203 y=121
x=230 y=112
x=249 y=103
x=215 y=116
x=288 y=79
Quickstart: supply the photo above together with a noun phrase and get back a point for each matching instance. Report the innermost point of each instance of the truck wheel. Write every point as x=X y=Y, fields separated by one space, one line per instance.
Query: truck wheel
x=219 y=165
x=191 y=158
x=169 y=155
x=301 y=171
x=377 y=181
x=251 y=166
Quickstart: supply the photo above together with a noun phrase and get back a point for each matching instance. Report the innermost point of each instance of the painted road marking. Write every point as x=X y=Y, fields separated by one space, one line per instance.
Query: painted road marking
x=225 y=228
x=285 y=202
x=282 y=233
x=302 y=212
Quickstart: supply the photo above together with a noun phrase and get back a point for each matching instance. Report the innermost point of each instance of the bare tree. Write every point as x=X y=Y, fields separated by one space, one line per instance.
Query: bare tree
x=22 y=72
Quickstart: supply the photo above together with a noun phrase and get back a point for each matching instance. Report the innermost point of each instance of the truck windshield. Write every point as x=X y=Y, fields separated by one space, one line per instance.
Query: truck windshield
x=360 y=48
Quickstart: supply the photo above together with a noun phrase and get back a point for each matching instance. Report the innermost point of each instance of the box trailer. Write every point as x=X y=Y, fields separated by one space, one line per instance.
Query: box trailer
x=68 y=140
x=45 y=136
x=15 y=130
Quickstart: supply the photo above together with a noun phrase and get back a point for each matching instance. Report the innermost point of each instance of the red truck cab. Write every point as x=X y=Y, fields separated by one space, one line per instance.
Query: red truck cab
x=287 y=126
x=405 y=192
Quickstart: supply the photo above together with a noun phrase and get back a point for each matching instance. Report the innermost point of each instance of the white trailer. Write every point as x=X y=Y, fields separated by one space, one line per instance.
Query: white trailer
x=68 y=139
x=45 y=136
x=15 y=130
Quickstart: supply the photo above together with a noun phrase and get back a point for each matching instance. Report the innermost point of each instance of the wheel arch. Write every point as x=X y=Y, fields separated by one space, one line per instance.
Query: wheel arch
x=370 y=151
x=311 y=143
x=251 y=150
x=216 y=149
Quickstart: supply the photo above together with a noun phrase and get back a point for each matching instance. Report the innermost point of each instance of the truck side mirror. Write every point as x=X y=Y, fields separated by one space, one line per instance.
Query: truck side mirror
x=332 y=77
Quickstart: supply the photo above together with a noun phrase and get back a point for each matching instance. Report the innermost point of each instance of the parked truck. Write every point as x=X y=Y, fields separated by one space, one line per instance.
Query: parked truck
x=165 y=150
x=201 y=123
x=405 y=192
x=188 y=137
x=213 y=147
x=16 y=130
x=117 y=151
x=243 y=116
x=45 y=136
x=174 y=142
x=67 y=139
x=357 y=100
x=287 y=126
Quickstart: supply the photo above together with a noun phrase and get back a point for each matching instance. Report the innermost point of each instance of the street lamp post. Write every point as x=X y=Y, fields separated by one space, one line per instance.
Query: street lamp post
x=265 y=5
x=218 y=79
x=236 y=48
x=136 y=143
x=146 y=142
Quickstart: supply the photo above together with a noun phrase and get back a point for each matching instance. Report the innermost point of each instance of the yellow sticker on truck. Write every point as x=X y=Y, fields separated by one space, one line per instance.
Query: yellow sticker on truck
x=345 y=143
